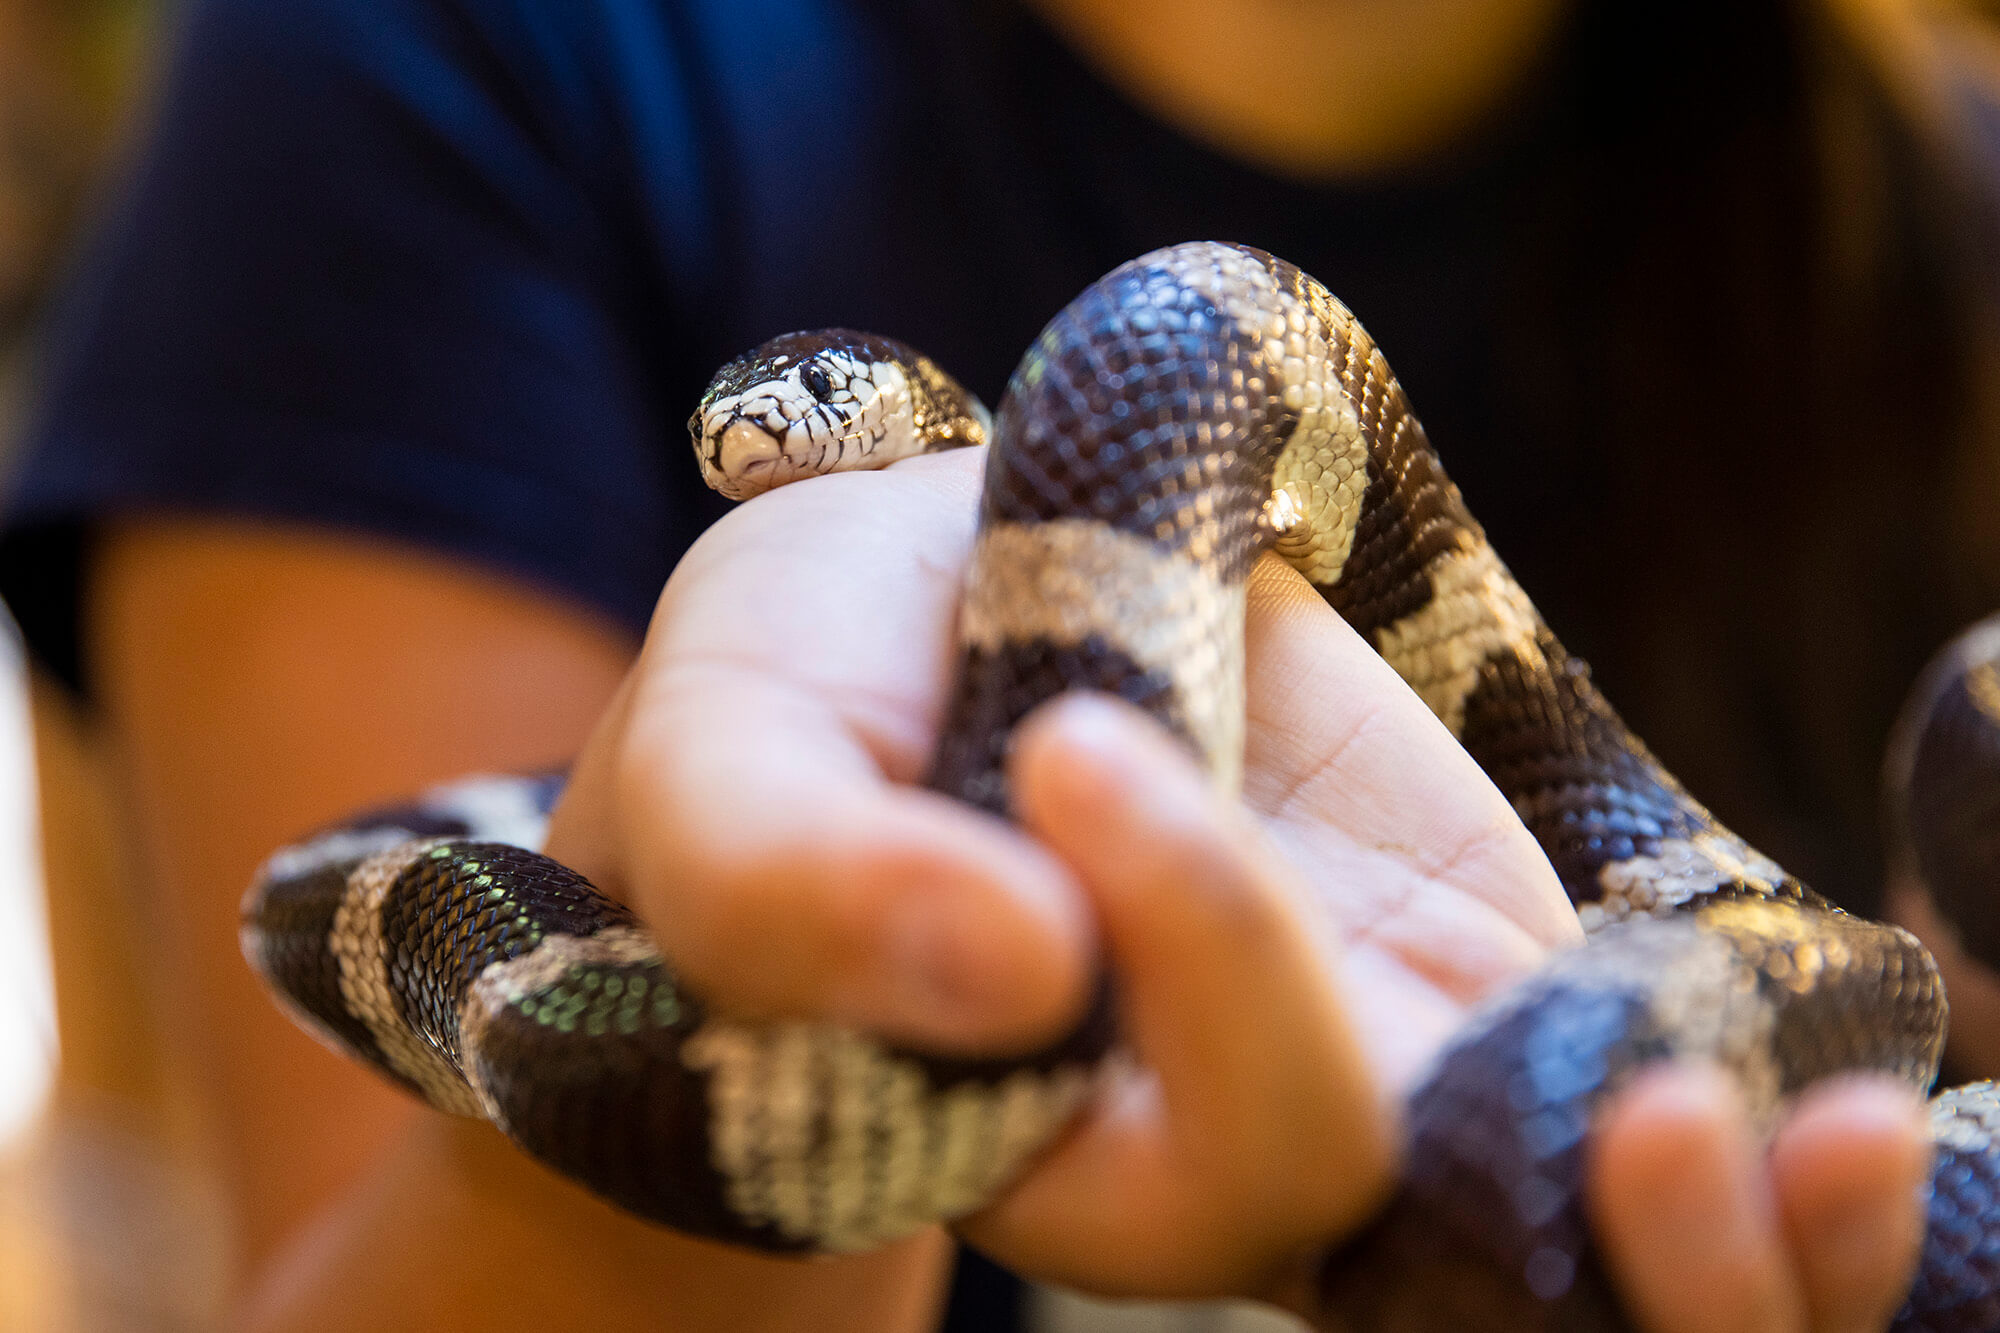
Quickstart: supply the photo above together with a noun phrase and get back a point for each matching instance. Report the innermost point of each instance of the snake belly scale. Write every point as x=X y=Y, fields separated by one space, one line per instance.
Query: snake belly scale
x=1192 y=409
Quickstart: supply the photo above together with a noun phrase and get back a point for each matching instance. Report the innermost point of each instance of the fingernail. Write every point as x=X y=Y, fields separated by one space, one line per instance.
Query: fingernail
x=1880 y=1101
x=1129 y=752
x=1690 y=1108
x=1090 y=722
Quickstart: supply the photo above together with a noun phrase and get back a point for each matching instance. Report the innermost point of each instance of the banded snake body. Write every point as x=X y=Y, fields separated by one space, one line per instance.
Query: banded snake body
x=1193 y=408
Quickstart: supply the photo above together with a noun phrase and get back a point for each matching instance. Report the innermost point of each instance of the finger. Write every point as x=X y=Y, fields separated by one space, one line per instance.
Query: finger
x=1682 y=1207
x=845 y=586
x=1849 y=1167
x=1252 y=1129
x=583 y=829
x=1200 y=925
x=801 y=882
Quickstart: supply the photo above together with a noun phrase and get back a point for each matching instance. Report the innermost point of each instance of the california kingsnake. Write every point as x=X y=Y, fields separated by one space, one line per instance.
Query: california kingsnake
x=1185 y=413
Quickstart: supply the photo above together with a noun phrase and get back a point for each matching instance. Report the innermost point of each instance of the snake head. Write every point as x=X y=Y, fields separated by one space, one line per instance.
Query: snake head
x=832 y=400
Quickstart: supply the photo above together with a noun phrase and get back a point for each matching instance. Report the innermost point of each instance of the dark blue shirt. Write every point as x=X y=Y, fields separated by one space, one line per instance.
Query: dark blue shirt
x=455 y=271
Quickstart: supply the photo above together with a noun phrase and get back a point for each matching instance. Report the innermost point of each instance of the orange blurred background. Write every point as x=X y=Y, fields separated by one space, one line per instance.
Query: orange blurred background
x=105 y=1219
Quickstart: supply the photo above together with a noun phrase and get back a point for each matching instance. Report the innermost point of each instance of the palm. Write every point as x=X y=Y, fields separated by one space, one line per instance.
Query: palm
x=1436 y=891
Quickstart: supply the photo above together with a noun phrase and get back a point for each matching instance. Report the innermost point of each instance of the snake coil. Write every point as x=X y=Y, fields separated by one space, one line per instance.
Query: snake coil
x=1192 y=409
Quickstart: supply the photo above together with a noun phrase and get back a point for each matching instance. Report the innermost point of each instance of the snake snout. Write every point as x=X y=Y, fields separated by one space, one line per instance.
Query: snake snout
x=745 y=450
x=738 y=456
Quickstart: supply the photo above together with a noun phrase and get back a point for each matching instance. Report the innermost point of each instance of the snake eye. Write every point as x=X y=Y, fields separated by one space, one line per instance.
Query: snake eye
x=816 y=382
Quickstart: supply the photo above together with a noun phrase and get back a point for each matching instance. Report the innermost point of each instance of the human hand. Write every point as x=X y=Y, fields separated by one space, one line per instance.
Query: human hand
x=1706 y=1229
x=748 y=794
x=755 y=769
x=1703 y=1227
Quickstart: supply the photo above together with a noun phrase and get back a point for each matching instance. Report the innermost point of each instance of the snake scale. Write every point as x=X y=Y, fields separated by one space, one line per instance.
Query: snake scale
x=1190 y=410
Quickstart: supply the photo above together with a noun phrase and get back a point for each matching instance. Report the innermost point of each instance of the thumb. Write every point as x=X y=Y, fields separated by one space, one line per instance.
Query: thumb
x=1252 y=1128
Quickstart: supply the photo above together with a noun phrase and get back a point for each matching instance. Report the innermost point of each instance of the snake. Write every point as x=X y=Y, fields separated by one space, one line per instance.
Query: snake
x=1188 y=412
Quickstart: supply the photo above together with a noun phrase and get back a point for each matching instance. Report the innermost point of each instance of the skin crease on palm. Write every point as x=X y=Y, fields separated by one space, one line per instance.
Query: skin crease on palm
x=1383 y=887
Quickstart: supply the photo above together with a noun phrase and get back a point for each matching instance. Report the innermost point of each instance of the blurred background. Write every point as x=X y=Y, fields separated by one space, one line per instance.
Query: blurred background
x=103 y=1219
x=106 y=1219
